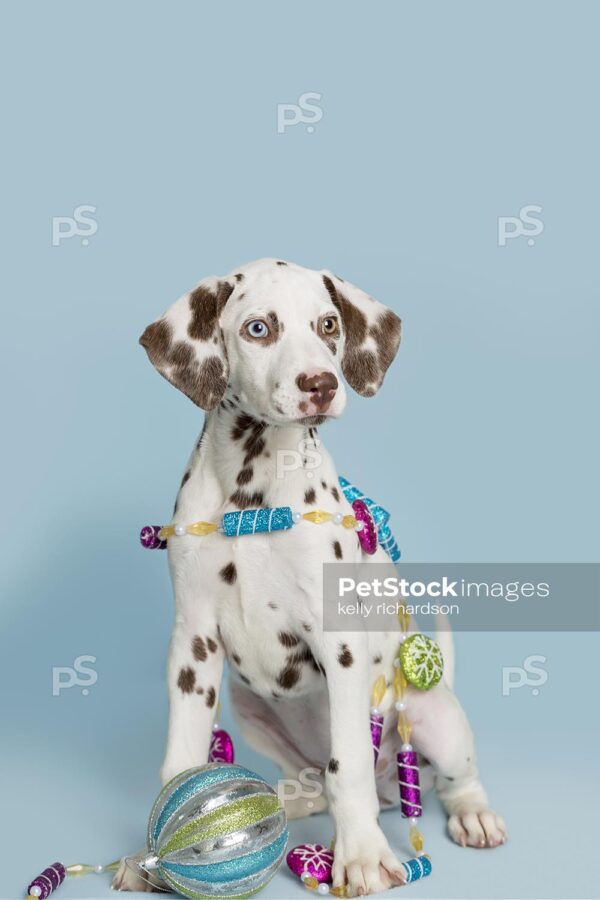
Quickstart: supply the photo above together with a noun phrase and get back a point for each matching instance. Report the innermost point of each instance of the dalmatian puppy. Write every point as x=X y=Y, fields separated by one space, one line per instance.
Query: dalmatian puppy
x=263 y=351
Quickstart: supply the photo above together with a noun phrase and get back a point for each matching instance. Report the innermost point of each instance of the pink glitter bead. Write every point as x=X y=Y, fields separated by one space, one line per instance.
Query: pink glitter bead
x=312 y=859
x=221 y=747
x=368 y=536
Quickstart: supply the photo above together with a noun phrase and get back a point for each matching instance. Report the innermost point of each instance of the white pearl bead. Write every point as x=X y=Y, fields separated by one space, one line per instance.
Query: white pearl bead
x=304 y=876
x=180 y=530
x=338 y=518
x=400 y=706
x=406 y=747
x=402 y=637
x=360 y=526
x=296 y=517
x=35 y=891
x=375 y=711
x=323 y=888
x=396 y=663
x=216 y=726
x=413 y=821
x=98 y=869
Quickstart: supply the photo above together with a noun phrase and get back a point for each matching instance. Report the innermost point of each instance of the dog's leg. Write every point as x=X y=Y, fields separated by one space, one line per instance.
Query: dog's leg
x=443 y=735
x=363 y=857
x=194 y=673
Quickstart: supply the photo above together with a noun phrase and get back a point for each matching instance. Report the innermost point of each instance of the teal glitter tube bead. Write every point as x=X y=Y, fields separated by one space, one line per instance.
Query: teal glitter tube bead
x=257 y=521
x=388 y=542
x=418 y=867
x=380 y=517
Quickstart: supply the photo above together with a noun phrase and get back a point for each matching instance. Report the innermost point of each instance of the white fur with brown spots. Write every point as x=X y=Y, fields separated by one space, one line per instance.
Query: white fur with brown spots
x=258 y=600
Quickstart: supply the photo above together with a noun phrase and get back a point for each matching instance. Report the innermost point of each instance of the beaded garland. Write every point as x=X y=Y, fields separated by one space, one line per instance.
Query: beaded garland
x=53 y=876
x=370 y=521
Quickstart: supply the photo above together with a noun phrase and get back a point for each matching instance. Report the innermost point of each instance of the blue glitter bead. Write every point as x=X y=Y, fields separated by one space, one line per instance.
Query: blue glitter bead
x=416 y=868
x=257 y=521
x=388 y=542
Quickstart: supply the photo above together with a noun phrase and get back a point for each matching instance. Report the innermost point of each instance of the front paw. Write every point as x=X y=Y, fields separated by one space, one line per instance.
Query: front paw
x=483 y=828
x=363 y=860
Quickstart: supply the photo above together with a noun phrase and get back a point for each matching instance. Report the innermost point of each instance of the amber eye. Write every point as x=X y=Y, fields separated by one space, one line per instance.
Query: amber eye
x=330 y=326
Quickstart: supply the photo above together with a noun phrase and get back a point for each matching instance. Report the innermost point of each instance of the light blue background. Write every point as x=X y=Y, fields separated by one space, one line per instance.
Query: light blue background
x=437 y=118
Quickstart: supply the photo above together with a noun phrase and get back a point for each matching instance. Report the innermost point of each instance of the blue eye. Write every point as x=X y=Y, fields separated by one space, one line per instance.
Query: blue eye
x=257 y=328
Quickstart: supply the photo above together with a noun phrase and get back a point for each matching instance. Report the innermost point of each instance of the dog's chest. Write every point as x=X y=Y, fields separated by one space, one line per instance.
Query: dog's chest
x=267 y=619
x=268 y=588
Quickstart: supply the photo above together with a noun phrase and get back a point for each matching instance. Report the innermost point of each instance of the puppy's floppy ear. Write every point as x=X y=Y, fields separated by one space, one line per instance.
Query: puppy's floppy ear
x=186 y=344
x=372 y=334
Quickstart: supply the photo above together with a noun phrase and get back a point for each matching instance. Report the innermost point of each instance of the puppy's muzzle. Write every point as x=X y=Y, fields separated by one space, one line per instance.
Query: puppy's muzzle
x=321 y=388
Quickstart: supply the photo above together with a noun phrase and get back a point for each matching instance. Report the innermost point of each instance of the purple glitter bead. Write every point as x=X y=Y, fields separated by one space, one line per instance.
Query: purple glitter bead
x=149 y=538
x=376 y=730
x=408 y=782
x=48 y=880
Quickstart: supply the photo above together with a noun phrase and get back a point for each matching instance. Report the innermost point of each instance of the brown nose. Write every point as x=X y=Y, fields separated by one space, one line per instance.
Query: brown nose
x=321 y=387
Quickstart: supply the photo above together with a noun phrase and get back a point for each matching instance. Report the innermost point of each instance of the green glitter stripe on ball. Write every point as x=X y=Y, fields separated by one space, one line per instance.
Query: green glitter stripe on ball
x=422 y=661
x=223 y=820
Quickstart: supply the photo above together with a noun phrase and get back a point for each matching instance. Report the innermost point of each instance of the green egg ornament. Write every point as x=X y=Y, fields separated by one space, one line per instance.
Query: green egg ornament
x=422 y=661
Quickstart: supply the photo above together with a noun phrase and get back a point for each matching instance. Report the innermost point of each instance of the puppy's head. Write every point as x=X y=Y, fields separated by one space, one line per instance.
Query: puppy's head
x=279 y=336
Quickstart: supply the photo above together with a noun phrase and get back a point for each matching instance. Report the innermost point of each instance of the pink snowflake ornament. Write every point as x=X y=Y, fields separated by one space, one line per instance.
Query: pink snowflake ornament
x=221 y=747
x=311 y=859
